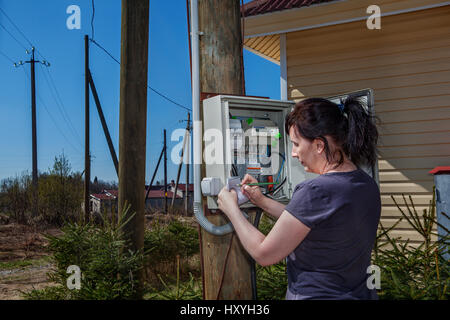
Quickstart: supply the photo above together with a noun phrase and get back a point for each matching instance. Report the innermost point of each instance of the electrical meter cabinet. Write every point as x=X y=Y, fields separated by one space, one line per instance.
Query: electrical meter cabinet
x=245 y=135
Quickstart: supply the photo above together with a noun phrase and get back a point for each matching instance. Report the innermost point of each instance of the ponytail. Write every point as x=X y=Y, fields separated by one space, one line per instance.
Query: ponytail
x=362 y=133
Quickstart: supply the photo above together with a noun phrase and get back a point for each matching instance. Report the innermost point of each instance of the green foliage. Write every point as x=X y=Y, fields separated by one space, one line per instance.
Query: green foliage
x=60 y=193
x=108 y=267
x=271 y=281
x=166 y=242
x=176 y=290
x=19 y=264
x=15 y=196
x=409 y=272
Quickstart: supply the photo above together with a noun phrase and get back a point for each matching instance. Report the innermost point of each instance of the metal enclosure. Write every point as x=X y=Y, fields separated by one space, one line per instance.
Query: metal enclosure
x=217 y=112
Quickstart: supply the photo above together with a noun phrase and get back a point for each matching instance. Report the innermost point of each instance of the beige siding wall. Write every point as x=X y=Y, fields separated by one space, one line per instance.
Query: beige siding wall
x=328 y=12
x=407 y=63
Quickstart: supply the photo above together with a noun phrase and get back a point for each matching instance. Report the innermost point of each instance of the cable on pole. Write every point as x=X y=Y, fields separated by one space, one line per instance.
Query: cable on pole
x=154 y=90
x=15 y=26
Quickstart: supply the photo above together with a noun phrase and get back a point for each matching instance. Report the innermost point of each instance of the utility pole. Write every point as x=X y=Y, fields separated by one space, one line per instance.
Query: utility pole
x=183 y=151
x=188 y=161
x=87 y=158
x=154 y=174
x=220 y=72
x=165 y=173
x=32 y=62
x=112 y=151
x=133 y=123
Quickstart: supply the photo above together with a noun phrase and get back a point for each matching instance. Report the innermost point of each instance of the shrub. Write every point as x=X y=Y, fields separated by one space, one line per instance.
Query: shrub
x=166 y=242
x=107 y=266
x=271 y=281
x=177 y=290
x=409 y=272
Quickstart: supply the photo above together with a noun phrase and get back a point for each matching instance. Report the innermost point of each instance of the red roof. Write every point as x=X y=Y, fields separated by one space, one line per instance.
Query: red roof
x=102 y=196
x=160 y=194
x=182 y=187
x=256 y=7
x=113 y=192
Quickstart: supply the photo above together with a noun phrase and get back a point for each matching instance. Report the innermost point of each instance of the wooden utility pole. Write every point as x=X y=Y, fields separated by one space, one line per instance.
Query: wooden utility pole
x=133 y=121
x=32 y=62
x=34 y=135
x=188 y=161
x=180 y=165
x=87 y=156
x=165 y=173
x=220 y=72
x=112 y=151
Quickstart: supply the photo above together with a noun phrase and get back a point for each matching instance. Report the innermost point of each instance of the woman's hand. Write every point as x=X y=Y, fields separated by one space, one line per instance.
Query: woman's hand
x=253 y=193
x=227 y=201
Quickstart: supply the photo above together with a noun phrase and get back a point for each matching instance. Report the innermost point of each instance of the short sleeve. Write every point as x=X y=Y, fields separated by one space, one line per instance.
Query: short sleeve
x=310 y=204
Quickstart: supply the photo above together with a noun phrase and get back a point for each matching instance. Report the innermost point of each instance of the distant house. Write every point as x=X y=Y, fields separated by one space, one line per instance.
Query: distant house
x=156 y=199
x=108 y=199
x=181 y=189
x=101 y=202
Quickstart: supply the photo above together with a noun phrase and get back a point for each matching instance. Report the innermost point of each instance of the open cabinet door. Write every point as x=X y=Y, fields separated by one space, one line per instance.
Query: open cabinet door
x=366 y=97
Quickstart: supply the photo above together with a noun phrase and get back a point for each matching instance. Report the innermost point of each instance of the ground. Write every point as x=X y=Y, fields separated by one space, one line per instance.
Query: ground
x=24 y=260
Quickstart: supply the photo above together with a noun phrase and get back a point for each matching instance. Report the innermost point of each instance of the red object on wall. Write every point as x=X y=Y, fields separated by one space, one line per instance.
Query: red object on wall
x=440 y=170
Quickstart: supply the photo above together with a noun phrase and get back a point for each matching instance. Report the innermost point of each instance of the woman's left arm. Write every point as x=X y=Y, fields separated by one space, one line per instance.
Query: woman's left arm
x=287 y=233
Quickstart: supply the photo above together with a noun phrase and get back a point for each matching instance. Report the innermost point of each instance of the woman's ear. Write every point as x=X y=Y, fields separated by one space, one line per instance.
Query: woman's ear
x=319 y=145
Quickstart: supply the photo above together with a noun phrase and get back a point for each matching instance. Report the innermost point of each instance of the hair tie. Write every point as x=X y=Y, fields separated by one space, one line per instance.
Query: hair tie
x=341 y=107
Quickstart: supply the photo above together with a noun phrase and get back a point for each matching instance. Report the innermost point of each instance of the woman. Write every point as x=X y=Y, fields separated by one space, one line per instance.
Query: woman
x=328 y=229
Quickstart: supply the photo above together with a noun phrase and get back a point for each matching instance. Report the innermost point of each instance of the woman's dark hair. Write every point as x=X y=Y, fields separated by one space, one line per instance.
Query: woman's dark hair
x=350 y=124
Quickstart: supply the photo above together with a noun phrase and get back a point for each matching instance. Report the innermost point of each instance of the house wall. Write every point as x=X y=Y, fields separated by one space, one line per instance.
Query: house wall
x=324 y=13
x=407 y=63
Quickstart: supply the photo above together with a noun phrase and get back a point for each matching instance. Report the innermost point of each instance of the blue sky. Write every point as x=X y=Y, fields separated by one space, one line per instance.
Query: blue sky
x=60 y=88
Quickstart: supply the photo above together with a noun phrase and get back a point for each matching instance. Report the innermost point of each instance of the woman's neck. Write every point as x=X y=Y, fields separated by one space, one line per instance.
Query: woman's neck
x=346 y=166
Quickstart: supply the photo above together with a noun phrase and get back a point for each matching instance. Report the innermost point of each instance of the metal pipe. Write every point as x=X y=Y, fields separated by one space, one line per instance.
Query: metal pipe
x=197 y=135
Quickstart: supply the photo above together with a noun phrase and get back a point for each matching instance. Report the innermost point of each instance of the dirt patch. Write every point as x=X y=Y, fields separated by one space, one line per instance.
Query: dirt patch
x=14 y=282
x=20 y=242
x=23 y=262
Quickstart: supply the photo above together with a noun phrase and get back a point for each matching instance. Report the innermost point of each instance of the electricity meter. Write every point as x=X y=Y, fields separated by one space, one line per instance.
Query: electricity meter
x=245 y=135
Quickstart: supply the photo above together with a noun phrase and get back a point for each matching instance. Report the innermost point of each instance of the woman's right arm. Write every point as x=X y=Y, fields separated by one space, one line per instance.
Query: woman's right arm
x=255 y=195
x=274 y=208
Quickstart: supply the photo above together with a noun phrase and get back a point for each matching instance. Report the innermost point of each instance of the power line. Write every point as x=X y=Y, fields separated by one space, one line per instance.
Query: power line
x=12 y=36
x=154 y=90
x=22 y=34
x=51 y=117
x=92 y=18
x=3 y=54
x=106 y=51
x=17 y=28
x=60 y=105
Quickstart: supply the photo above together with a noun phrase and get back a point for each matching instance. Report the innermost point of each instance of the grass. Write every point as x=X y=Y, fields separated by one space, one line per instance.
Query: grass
x=19 y=264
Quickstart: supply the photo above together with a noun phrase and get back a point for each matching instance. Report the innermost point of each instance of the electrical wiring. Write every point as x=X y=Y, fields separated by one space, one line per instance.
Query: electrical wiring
x=8 y=58
x=61 y=106
x=51 y=117
x=17 y=28
x=12 y=36
x=152 y=89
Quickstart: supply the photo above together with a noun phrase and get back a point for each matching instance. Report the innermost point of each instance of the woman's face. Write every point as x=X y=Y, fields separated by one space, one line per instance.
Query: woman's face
x=309 y=153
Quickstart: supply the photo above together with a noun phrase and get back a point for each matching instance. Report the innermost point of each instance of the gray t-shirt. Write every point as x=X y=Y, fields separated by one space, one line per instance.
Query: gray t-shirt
x=343 y=210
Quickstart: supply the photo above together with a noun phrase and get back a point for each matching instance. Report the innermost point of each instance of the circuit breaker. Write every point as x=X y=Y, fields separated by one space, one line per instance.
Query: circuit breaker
x=246 y=135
